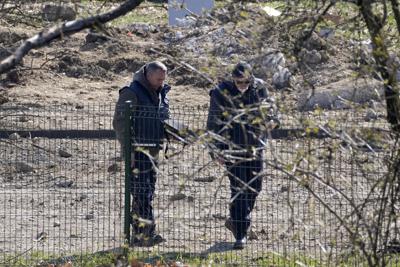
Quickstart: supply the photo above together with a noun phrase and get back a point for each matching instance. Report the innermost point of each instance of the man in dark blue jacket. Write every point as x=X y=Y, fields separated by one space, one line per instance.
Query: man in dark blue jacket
x=148 y=95
x=239 y=117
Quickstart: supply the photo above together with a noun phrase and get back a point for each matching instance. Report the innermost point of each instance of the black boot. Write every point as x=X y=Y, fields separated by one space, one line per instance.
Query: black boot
x=147 y=237
x=240 y=242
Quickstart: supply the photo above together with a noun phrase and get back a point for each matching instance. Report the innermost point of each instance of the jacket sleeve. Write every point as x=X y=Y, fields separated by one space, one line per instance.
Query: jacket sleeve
x=214 y=112
x=215 y=118
x=119 y=119
x=165 y=112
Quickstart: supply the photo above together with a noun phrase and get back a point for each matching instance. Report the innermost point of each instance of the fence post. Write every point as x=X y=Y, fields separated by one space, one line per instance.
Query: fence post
x=128 y=168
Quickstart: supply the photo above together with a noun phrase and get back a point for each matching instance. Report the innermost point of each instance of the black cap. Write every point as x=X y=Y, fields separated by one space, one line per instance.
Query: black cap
x=242 y=69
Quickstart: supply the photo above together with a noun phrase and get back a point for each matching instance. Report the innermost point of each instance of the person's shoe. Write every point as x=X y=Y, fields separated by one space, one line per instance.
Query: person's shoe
x=153 y=240
x=146 y=241
x=240 y=243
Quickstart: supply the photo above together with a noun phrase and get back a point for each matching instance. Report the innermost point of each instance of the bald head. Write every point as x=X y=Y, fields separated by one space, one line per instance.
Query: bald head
x=156 y=73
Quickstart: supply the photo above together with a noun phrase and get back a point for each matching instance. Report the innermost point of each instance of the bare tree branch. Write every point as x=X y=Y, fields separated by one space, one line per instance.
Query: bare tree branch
x=316 y=20
x=396 y=13
x=381 y=55
x=67 y=28
x=186 y=65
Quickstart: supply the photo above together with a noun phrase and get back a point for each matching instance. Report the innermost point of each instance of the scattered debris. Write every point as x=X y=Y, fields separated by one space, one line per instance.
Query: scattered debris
x=93 y=37
x=40 y=237
x=64 y=153
x=23 y=167
x=252 y=235
x=54 y=13
x=340 y=95
x=205 y=179
x=64 y=183
x=371 y=115
x=219 y=216
x=14 y=136
x=310 y=57
x=143 y=29
x=177 y=196
x=10 y=38
x=270 y=11
x=281 y=78
x=13 y=76
x=89 y=217
x=113 y=168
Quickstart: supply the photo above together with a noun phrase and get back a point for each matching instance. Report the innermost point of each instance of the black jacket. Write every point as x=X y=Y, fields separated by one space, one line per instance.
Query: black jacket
x=237 y=119
x=151 y=108
x=149 y=116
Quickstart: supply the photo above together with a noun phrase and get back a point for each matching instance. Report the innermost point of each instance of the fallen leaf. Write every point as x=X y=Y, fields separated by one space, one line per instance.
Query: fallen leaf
x=136 y=263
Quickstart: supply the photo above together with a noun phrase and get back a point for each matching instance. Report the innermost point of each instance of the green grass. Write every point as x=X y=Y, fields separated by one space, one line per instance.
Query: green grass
x=235 y=258
x=145 y=13
x=227 y=258
x=37 y=258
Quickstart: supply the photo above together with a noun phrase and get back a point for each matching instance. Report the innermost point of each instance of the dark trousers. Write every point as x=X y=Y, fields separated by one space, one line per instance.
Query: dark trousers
x=243 y=198
x=143 y=181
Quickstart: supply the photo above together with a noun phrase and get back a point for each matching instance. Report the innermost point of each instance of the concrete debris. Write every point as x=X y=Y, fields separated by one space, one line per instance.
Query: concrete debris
x=310 y=57
x=315 y=42
x=341 y=95
x=272 y=12
x=223 y=37
x=281 y=78
x=143 y=29
x=273 y=62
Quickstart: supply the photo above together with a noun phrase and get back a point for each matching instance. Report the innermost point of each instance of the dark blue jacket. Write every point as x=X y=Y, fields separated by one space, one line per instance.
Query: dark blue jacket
x=149 y=115
x=237 y=117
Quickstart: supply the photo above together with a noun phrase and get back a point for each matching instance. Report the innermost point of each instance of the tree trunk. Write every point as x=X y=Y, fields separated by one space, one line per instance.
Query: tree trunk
x=385 y=65
x=396 y=13
x=67 y=28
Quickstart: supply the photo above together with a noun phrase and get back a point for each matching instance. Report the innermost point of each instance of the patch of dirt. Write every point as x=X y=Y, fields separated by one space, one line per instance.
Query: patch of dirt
x=104 y=61
x=89 y=74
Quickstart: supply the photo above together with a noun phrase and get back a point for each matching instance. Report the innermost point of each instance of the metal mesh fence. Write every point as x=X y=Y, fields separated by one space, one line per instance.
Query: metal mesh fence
x=63 y=187
x=60 y=193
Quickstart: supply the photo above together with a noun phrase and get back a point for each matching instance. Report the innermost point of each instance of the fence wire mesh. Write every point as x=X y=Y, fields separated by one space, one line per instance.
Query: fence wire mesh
x=63 y=184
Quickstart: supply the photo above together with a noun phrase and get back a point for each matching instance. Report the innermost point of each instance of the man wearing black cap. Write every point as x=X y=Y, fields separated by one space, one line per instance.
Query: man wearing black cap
x=240 y=114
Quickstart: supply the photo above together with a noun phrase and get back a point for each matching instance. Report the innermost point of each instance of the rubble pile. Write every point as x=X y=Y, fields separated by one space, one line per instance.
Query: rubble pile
x=217 y=40
x=240 y=31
